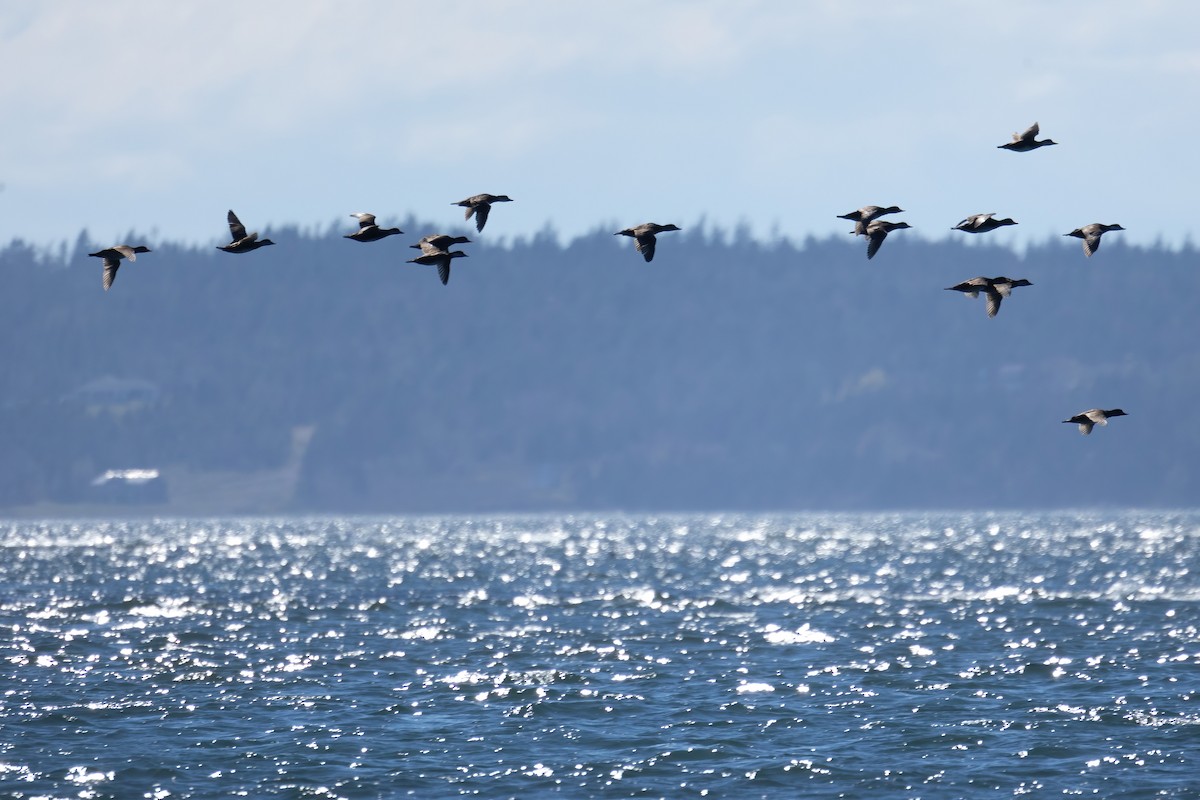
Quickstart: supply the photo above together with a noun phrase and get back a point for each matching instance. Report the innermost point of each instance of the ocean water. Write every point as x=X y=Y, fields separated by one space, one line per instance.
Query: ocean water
x=925 y=655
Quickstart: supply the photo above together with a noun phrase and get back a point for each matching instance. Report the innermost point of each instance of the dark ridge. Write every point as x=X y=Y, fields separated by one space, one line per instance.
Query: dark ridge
x=729 y=373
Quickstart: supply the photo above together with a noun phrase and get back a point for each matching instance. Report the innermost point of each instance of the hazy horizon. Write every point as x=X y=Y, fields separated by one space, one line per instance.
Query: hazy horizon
x=778 y=117
x=703 y=228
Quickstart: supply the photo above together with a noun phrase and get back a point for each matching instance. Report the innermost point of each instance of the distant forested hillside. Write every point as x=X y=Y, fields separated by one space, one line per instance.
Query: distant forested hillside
x=727 y=374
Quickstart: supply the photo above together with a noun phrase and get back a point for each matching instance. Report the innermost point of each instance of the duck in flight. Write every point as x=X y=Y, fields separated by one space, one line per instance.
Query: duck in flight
x=242 y=242
x=1095 y=416
x=982 y=223
x=877 y=231
x=644 y=236
x=441 y=259
x=480 y=206
x=995 y=289
x=1024 y=142
x=438 y=243
x=866 y=215
x=1091 y=235
x=112 y=259
x=368 y=231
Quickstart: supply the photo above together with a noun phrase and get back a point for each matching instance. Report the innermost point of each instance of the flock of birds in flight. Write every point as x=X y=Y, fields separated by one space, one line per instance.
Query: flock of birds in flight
x=436 y=249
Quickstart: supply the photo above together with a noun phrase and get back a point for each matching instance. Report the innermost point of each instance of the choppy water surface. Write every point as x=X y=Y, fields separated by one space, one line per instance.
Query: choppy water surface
x=924 y=655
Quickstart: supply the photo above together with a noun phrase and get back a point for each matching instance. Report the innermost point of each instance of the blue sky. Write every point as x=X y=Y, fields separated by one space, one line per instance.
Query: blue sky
x=157 y=117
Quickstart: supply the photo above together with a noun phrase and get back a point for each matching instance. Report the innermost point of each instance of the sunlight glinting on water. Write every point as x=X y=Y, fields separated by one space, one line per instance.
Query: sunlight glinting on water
x=517 y=656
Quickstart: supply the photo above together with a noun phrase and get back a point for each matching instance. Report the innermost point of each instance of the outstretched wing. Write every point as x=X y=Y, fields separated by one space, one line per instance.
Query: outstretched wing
x=645 y=245
x=993 y=301
x=481 y=215
x=875 y=237
x=236 y=229
x=444 y=270
x=111 y=265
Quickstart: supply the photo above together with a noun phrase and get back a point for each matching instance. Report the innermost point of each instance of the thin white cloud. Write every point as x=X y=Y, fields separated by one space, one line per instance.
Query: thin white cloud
x=668 y=104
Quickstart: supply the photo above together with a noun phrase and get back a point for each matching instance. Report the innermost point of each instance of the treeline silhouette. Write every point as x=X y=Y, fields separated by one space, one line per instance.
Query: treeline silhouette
x=730 y=373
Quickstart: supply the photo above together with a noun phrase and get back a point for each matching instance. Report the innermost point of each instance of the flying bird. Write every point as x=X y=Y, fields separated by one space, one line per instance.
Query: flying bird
x=368 y=231
x=1095 y=416
x=242 y=242
x=439 y=259
x=643 y=237
x=438 y=243
x=866 y=215
x=112 y=259
x=971 y=288
x=1024 y=142
x=480 y=205
x=994 y=289
x=877 y=231
x=1091 y=235
x=982 y=223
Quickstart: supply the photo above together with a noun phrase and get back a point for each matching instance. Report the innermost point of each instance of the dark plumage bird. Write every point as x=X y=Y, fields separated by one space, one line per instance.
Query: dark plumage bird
x=643 y=237
x=1024 y=142
x=112 y=259
x=982 y=223
x=877 y=231
x=994 y=289
x=242 y=242
x=971 y=288
x=480 y=205
x=1096 y=416
x=441 y=260
x=438 y=243
x=866 y=215
x=368 y=231
x=1091 y=235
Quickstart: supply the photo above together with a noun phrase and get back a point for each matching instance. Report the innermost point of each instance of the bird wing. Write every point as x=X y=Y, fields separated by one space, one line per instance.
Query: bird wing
x=993 y=301
x=365 y=220
x=1091 y=243
x=645 y=245
x=125 y=250
x=430 y=249
x=236 y=228
x=111 y=265
x=875 y=237
x=1028 y=135
x=481 y=215
x=443 y=266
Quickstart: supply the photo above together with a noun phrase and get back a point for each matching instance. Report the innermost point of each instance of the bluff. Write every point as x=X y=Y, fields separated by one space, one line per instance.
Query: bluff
x=324 y=375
